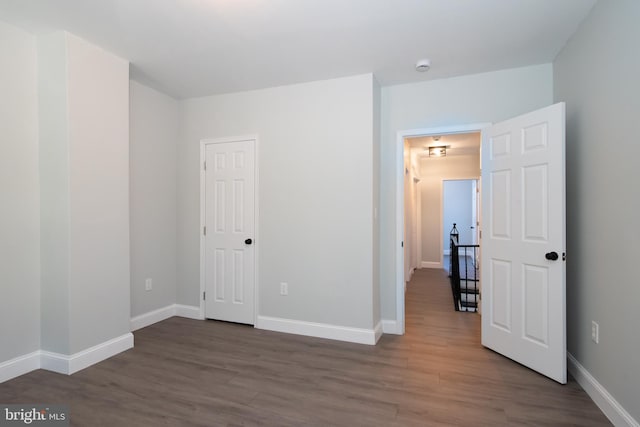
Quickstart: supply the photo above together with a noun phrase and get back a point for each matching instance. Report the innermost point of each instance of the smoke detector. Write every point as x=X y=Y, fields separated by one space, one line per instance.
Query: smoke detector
x=423 y=65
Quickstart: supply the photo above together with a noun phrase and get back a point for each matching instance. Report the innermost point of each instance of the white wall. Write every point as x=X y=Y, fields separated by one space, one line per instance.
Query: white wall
x=597 y=76
x=487 y=97
x=98 y=108
x=54 y=191
x=316 y=185
x=153 y=153
x=84 y=122
x=457 y=208
x=411 y=217
x=433 y=172
x=19 y=192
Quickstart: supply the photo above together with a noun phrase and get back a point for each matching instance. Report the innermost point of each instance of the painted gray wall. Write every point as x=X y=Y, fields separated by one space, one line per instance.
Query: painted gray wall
x=596 y=74
x=98 y=108
x=54 y=192
x=84 y=172
x=432 y=172
x=153 y=181
x=488 y=97
x=19 y=188
x=316 y=175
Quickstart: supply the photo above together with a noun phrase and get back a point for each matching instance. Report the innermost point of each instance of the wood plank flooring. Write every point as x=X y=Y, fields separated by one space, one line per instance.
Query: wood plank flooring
x=203 y=373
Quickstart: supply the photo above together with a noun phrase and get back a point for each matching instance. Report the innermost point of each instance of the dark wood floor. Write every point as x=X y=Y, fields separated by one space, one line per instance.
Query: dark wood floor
x=204 y=373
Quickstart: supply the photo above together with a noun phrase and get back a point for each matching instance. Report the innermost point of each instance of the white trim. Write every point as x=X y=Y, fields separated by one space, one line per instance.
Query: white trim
x=188 y=311
x=430 y=264
x=155 y=316
x=390 y=327
x=400 y=136
x=64 y=364
x=203 y=195
x=400 y=282
x=419 y=221
x=20 y=365
x=319 y=330
x=54 y=362
x=256 y=234
x=602 y=398
x=377 y=331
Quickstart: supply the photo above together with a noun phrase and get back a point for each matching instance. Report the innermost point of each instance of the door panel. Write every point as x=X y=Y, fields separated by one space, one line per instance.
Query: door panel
x=524 y=198
x=229 y=215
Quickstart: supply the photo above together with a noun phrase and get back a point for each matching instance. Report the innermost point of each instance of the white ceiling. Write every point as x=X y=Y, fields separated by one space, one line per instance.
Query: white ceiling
x=190 y=48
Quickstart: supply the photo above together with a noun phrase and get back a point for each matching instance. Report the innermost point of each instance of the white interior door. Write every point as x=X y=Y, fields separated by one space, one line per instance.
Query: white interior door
x=229 y=258
x=523 y=240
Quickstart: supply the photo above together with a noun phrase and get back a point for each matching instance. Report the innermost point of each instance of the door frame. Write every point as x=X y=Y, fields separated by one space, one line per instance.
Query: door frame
x=400 y=137
x=256 y=239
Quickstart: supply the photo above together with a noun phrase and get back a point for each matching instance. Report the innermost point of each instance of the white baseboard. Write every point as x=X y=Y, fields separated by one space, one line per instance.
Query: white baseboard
x=155 y=316
x=19 y=366
x=54 y=362
x=390 y=327
x=377 y=331
x=319 y=330
x=608 y=404
x=64 y=364
x=152 y=317
x=189 y=311
x=430 y=264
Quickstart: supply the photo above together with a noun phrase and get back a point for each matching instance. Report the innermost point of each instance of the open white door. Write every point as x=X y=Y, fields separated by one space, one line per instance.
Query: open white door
x=523 y=240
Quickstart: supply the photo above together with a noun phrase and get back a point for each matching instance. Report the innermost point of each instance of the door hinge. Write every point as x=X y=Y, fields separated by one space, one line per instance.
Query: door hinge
x=204 y=230
x=204 y=296
x=402 y=244
x=204 y=165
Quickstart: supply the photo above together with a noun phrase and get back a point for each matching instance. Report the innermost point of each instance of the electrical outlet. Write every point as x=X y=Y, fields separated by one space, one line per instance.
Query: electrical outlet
x=284 y=288
x=595 y=332
x=148 y=284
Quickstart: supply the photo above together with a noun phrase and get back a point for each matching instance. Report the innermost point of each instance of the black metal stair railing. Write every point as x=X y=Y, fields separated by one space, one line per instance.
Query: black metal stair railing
x=463 y=272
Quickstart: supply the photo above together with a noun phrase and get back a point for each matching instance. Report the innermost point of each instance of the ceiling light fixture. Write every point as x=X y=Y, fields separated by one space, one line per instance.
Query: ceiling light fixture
x=423 y=65
x=440 y=151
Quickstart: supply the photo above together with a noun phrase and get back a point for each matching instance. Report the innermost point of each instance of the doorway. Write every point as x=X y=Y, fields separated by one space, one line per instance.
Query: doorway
x=228 y=219
x=431 y=222
x=523 y=273
x=459 y=207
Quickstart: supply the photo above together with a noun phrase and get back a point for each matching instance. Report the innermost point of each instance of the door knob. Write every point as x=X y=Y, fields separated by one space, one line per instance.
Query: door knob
x=249 y=241
x=551 y=256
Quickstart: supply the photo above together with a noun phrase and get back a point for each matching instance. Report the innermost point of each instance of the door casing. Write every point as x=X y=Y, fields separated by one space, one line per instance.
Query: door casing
x=256 y=239
x=400 y=137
